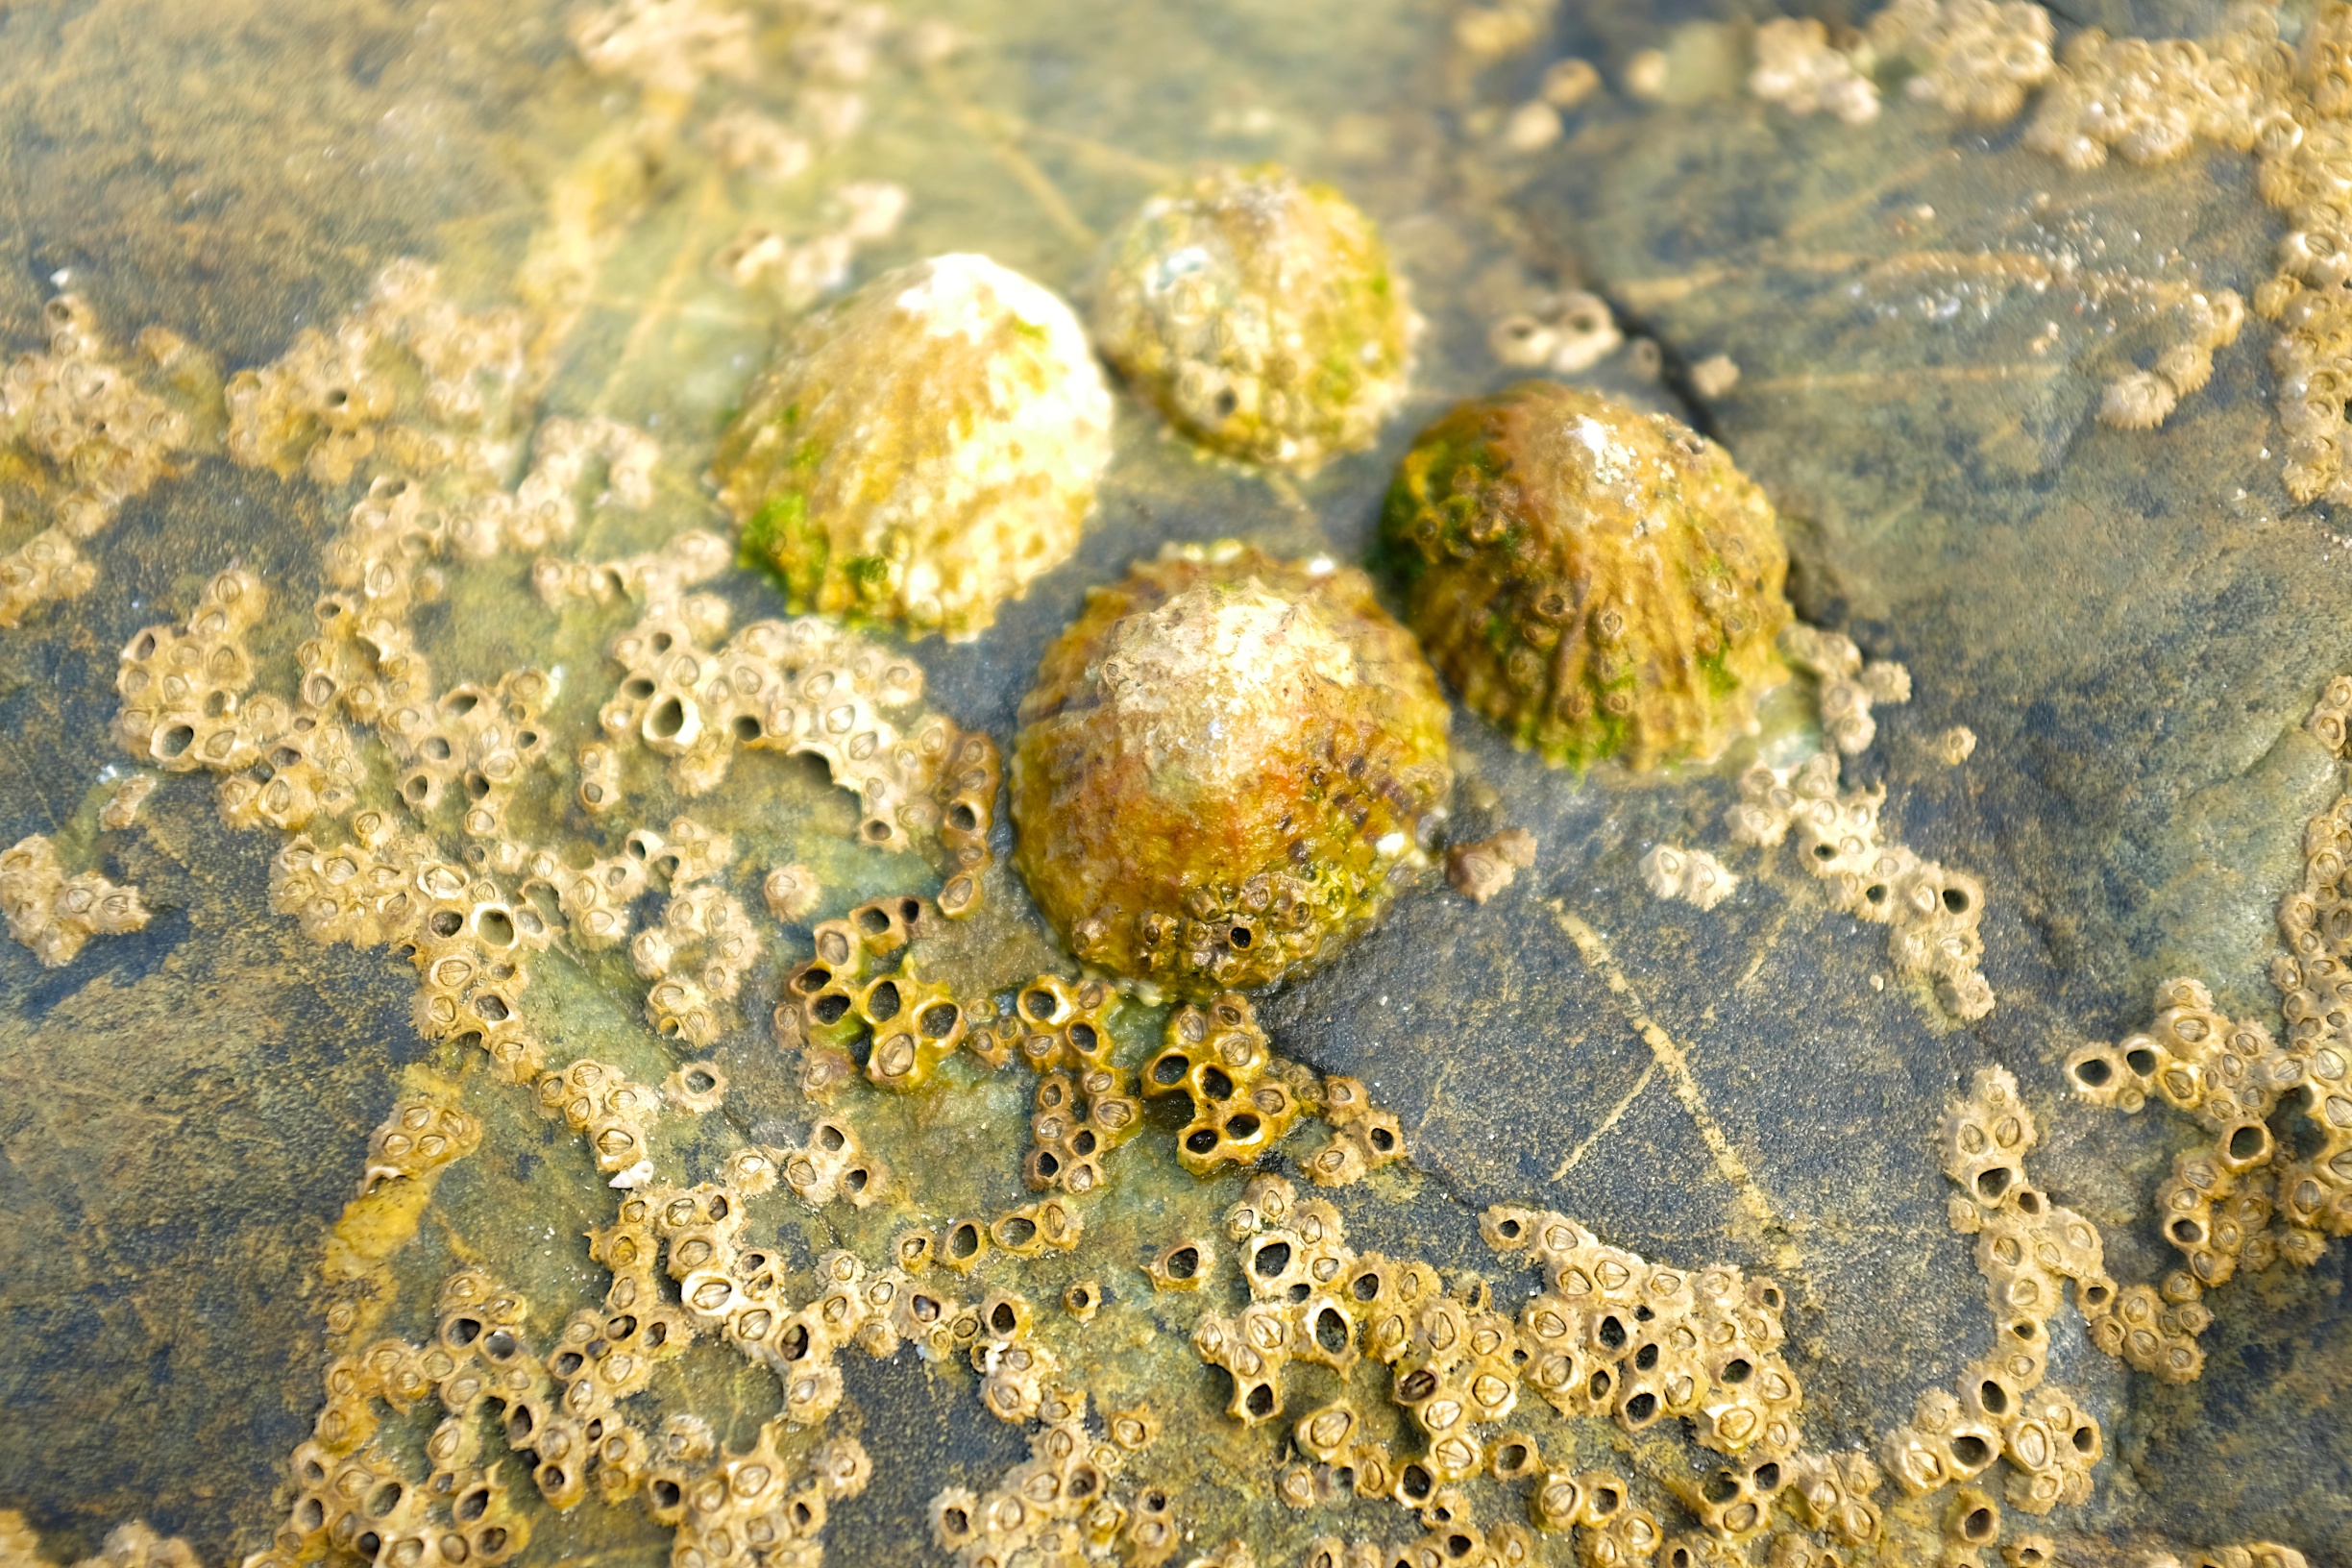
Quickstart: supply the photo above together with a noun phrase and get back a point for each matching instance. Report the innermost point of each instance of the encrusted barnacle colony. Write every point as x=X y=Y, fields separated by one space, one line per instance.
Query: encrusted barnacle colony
x=1224 y=768
x=1599 y=581
x=1797 y=68
x=834 y=1000
x=2026 y=1246
x=1058 y=1506
x=2251 y=84
x=1615 y=1336
x=1260 y=315
x=922 y=450
x=419 y=1138
x=1931 y=911
x=2238 y=1201
x=2272 y=1180
x=182 y=688
x=55 y=915
x=1976 y=58
x=1242 y=1104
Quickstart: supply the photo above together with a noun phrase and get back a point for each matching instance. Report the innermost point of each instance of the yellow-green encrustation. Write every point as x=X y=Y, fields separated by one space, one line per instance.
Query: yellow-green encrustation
x=922 y=449
x=1223 y=769
x=1260 y=315
x=1599 y=581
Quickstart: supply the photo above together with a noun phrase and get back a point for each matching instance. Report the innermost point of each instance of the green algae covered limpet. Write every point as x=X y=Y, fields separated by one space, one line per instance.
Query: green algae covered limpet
x=922 y=449
x=1223 y=768
x=1599 y=581
x=1260 y=315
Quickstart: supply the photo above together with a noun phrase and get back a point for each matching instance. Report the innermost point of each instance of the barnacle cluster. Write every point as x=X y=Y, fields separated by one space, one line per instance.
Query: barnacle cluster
x=1311 y=1298
x=1224 y=768
x=832 y=1001
x=697 y=955
x=1061 y=1504
x=134 y=1545
x=1084 y=1103
x=2304 y=146
x=1976 y=58
x=1931 y=911
x=121 y=807
x=922 y=450
x=1797 y=68
x=2150 y=100
x=182 y=688
x=1614 y=1336
x=671 y=47
x=407 y=799
x=667 y=46
x=560 y=1409
x=102 y=436
x=1260 y=315
x=599 y=1104
x=408 y=379
x=1598 y=581
x=544 y=508
x=799 y=271
x=1447 y=1538
x=1245 y=1099
x=418 y=1137
x=2240 y=1200
x=802 y=687
x=730 y=1288
x=1243 y=1104
x=2000 y=1409
x=56 y=915
x=2237 y=1202
x=685 y=560
x=466 y=936
x=1847 y=687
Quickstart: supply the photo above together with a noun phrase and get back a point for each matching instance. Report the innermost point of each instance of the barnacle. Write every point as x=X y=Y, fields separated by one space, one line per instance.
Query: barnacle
x=922 y=450
x=1224 y=768
x=1260 y=315
x=1598 y=581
